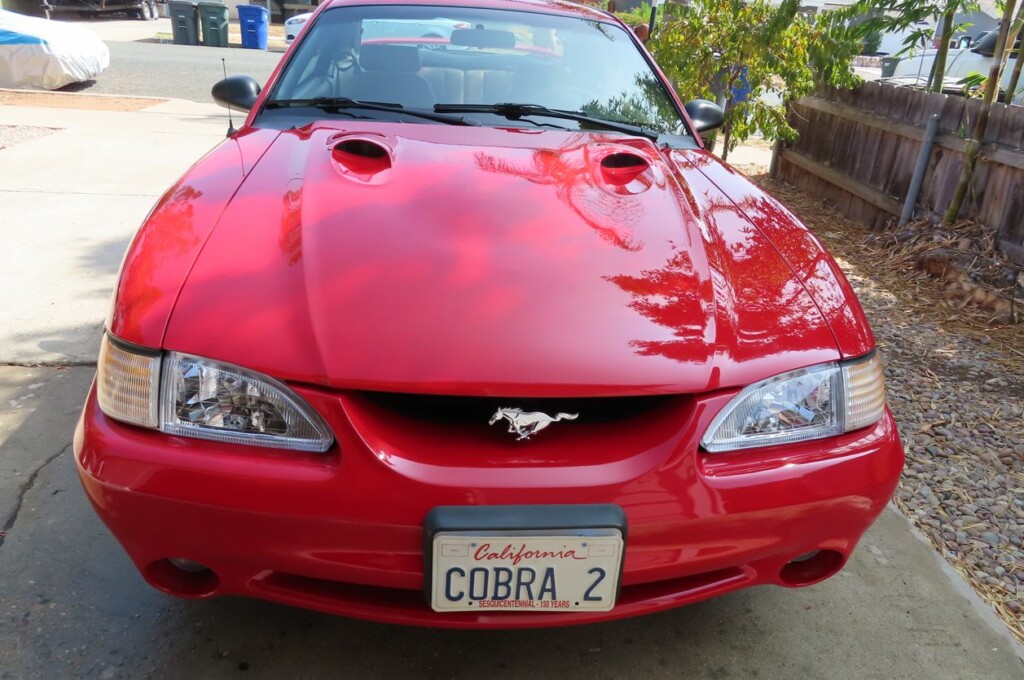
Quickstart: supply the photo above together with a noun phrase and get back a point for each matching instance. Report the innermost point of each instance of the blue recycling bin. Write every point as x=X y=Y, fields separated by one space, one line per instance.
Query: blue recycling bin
x=741 y=88
x=254 y=21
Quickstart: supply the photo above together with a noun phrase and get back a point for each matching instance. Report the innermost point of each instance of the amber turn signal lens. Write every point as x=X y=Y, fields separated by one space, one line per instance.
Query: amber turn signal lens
x=127 y=383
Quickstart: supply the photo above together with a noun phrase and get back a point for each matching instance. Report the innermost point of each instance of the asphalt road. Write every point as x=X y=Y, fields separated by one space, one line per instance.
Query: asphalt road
x=182 y=71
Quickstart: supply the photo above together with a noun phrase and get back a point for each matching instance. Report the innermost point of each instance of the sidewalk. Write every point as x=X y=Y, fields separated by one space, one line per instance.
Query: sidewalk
x=126 y=30
x=72 y=199
x=751 y=157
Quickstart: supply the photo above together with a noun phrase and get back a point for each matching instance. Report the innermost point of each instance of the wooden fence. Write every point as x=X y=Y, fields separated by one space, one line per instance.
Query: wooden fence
x=857 y=149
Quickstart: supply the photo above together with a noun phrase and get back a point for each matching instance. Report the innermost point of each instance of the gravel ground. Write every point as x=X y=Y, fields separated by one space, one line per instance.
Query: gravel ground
x=956 y=388
x=12 y=134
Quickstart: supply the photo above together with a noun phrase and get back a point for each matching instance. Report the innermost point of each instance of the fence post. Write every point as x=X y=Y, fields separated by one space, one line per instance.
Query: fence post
x=773 y=169
x=920 y=169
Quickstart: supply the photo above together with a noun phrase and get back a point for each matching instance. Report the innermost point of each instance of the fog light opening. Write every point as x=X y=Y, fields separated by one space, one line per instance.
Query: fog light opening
x=811 y=567
x=188 y=565
x=182 y=577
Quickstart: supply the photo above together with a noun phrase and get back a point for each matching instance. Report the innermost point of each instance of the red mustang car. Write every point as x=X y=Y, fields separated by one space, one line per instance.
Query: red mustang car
x=474 y=332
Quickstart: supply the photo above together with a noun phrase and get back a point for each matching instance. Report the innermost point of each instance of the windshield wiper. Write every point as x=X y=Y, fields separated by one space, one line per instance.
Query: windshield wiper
x=342 y=103
x=517 y=111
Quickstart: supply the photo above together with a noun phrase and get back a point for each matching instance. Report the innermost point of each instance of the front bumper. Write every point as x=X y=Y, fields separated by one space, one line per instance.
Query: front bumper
x=343 y=532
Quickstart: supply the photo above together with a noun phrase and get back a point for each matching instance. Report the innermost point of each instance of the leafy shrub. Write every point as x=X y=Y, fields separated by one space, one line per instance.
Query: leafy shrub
x=716 y=49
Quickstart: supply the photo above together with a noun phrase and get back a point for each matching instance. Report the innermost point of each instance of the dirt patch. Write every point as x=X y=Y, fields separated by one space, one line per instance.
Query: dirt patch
x=63 y=100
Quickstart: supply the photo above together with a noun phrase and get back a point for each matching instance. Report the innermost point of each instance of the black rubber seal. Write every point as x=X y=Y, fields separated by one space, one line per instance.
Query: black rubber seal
x=132 y=348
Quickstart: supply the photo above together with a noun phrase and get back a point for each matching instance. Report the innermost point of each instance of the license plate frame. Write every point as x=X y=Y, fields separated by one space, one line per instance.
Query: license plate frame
x=549 y=532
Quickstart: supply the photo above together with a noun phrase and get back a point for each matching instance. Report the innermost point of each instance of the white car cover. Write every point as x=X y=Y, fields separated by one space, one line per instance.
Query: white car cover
x=41 y=54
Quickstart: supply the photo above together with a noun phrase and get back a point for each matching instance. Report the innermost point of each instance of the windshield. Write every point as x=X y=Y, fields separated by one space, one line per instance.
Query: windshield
x=423 y=56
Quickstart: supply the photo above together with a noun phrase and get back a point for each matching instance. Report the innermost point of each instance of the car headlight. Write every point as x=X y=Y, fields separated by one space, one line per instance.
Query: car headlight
x=809 y=403
x=190 y=396
x=297 y=21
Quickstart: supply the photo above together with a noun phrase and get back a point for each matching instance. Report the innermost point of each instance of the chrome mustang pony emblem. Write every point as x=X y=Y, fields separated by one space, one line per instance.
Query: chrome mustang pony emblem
x=525 y=424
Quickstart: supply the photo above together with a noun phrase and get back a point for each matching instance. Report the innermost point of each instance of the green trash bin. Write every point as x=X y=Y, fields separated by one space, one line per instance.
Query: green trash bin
x=184 y=22
x=214 y=18
x=889 y=66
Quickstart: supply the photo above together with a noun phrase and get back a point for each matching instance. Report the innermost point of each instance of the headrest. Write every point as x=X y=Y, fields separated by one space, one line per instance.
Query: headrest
x=483 y=37
x=390 y=58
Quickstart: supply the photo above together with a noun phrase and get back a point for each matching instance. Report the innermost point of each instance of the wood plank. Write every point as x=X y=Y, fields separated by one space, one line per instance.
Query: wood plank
x=1010 y=225
x=995 y=124
x=885 y=102
x=867 y=95
x=898 y=182
x=953 y=163
x=866 y=193
x=907 y=105
x=952 y=115
x=933 y=105
x=864 y=162
x=1003 y=156
x=1006 y=156
x=1012 y=132
x=983 y=181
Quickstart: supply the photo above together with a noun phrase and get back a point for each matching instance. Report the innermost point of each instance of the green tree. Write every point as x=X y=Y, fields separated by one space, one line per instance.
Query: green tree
x=872 y=41
x=711 y=48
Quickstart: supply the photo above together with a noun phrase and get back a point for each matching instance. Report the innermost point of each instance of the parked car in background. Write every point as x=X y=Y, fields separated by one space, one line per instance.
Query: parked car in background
x=960 y=62
x=893 y=41
x=474 y=332
x=145 y=10
x=46 y=55
x=379 y=30
x=294 y=24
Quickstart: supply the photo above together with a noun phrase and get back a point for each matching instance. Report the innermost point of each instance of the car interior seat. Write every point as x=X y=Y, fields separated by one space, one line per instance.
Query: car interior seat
x=390 y=73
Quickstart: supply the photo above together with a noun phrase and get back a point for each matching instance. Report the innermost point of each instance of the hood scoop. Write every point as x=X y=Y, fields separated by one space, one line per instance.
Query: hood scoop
x=625 y=171
x=363 y=159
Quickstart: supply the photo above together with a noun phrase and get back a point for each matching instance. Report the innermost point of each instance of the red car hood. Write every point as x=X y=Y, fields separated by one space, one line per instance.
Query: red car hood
x=431 y=258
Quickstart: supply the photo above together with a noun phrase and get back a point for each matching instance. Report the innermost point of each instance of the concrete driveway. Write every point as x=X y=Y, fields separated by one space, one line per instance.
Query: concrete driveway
x=71 y=605
x=71 y=201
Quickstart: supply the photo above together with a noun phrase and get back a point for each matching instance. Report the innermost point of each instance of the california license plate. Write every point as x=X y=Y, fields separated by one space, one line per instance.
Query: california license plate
x=541 y=571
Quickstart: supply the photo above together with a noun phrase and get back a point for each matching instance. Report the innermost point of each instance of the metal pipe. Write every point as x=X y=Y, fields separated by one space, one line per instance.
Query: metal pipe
x=920 y=169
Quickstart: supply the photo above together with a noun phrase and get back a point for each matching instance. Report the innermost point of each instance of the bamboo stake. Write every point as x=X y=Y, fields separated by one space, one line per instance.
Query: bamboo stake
x=972 y=147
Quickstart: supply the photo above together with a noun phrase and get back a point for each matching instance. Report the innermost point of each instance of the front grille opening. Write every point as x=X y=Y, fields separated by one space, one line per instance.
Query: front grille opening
x=476 y=410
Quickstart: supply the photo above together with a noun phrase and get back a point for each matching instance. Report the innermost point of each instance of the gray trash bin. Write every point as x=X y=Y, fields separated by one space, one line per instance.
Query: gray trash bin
x=889 y=66
x=184 y=22
x=214 y=17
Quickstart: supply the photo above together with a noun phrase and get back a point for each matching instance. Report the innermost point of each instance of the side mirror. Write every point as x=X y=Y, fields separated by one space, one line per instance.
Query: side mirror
x=705 y=115
x=236 y=92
